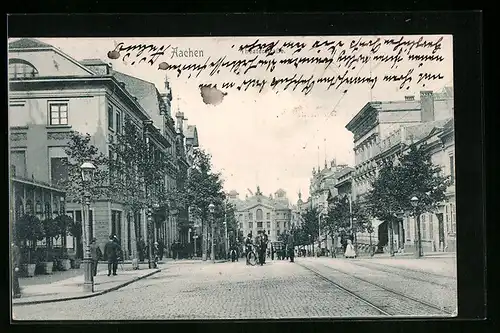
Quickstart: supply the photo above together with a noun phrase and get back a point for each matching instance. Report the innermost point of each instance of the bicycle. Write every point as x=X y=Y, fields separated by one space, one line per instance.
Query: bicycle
x=252 y=258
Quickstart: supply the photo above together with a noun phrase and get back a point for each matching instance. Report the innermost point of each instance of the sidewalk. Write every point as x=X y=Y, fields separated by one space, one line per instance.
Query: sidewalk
x=62 y=288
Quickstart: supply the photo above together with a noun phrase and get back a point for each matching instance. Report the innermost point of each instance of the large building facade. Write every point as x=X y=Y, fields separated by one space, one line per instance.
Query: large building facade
x=272 y=214
x=52 y=94
x=382 y=132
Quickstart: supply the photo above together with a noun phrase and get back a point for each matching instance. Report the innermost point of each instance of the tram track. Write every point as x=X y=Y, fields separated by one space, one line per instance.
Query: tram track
x=394 y=270
x=387 y=301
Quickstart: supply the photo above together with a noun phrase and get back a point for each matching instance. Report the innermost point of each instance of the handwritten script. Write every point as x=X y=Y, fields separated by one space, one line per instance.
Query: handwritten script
x=333 y=64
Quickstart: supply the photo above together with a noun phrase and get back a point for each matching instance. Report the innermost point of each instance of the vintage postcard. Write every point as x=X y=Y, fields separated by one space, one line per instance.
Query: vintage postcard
x=232 y=177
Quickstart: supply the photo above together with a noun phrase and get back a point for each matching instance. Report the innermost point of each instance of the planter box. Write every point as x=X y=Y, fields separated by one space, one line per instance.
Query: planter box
x=29 y=270
x=65 y=264
x=47 y=267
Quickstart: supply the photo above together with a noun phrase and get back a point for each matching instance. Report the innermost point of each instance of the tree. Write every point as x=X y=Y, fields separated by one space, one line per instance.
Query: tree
x=396 y=184
x=203 y=187
x=51 y=230
x=63 y=222
x=310 y=225
x=29 y=230
x=137 y=170
x=75 y=230
x=423 y=180
x=80 y=150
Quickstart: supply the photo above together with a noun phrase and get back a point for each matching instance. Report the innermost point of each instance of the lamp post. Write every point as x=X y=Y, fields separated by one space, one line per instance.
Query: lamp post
x=87 y=169
x=211 y=209
x=195 y=237
x=354 y=238
x=418 y=238
x=150 y=243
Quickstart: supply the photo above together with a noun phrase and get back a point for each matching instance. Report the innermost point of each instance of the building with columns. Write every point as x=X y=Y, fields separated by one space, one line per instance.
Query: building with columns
x=382 y=132
x=259 y=212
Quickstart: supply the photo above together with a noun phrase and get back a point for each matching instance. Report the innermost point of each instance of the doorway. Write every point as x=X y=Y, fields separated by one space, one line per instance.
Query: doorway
x=383 y=237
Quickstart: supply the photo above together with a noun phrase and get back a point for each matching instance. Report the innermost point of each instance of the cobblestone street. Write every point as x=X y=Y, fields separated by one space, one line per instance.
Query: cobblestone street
x=279 y=289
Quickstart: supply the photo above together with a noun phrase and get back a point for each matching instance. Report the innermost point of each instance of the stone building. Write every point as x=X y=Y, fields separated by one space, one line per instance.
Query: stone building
x=259 y=212
x=382 y=131
x=52 y=94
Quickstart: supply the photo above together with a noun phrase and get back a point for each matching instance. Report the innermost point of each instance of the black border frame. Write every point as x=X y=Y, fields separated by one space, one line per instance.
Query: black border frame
x=466 y=28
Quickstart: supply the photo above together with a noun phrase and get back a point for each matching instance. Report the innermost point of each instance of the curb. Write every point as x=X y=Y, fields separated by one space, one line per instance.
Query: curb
x=105 y=291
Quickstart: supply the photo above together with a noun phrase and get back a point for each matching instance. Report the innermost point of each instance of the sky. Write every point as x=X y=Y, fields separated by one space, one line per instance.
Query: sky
x=275 y=137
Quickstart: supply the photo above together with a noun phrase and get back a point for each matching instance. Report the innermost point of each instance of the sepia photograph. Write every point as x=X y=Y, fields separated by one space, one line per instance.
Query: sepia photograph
x=232 y=178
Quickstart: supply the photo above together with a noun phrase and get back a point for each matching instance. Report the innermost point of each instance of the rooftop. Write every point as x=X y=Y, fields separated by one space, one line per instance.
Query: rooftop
x=28 y=43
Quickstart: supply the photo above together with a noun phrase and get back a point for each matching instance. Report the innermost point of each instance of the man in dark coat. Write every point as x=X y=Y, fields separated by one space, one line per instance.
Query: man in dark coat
x=290 y=246
x=112 y=251
x=16 y=261
x=95 y=254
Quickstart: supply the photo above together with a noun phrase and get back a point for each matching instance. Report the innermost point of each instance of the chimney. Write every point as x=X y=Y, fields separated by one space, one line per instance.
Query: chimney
x=409 y=98
x=427 y=105
x=180 y=120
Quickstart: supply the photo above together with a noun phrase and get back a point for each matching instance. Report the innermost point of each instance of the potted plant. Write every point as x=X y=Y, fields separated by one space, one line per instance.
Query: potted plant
x=63 y=222
x=29 y=230
x=75 y=230
x=51 y=231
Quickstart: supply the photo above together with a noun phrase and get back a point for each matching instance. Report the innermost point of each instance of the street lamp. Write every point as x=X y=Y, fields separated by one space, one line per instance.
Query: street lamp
x=354 y=238
x=150 y=245
x=211 y=209
x=418 y=246
x=88 y=170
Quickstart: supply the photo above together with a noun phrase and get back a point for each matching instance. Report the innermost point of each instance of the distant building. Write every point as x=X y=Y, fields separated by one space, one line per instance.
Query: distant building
x=260 y=212
x=322 y=189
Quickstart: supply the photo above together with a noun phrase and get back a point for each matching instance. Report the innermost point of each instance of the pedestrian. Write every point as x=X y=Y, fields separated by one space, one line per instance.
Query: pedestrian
x=156 y=254
x=349 y=251
x=248 y=246
x=264 y=241
x=112 y=251
x=272 y=252
x=290 y=245
x=16 y=261
x=95 y=254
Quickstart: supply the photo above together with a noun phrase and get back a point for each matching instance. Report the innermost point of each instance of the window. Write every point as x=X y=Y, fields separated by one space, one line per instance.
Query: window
x=284 y=224
x=259 y=224
x=269 y=232
x=423 y=223
x=241 y=225
x=250 y=225
x=78 y=217
x=119 y=128
x=259 y=214
x=58 y=170
x=58 y=113
x=268 y=216
x=452 y=169
x=431 y=226
x=250 y=216
x=110 y=117
x=277 y=225
x=241 y=217
x=278 y=232
x=18 y=163
x=268 y=225
x=20 y=69
x=116 y=223
x=453 y=219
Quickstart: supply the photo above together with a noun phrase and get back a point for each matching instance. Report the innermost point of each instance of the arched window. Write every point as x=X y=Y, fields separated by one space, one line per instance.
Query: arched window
x=21 y=69
x=259 y=214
